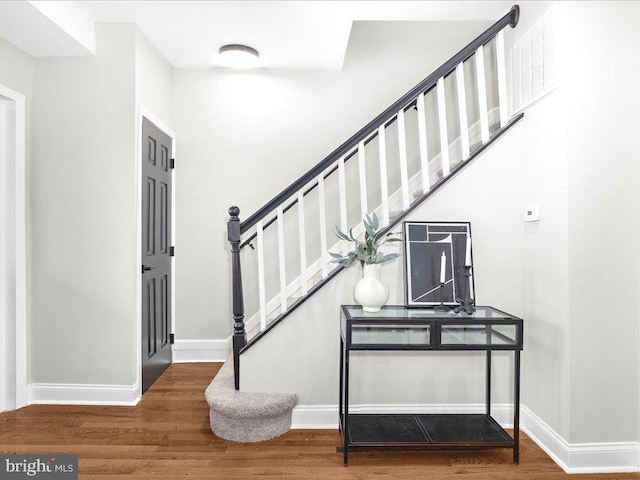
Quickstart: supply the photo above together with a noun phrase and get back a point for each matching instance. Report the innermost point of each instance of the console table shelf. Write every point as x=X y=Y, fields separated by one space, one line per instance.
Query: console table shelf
x=401 y=328
x=426 y=431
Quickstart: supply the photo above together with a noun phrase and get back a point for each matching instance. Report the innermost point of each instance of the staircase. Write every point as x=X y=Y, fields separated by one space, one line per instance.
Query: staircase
x=389 y=167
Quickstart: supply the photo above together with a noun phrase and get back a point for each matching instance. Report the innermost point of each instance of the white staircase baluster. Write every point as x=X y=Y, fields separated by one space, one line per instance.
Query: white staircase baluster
x=303 y=244
x=444 y=136
x=384 y=187
x=363 y=179
x=502 y=79
x=283 y=276
x=261 y=282
x=482 y=95
x=424 y=151
x=462 y=111
x=404 y=174
x=323 y=226
x=344 y=226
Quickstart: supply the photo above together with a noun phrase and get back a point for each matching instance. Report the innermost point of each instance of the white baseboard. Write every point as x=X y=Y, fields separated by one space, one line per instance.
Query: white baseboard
x=320 y=417
x=77 y=394
x=188 y=351
x=611 y=457
x=614 y=457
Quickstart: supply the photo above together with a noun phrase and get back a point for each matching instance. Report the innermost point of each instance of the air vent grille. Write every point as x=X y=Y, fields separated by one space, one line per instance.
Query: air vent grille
x=533 y=72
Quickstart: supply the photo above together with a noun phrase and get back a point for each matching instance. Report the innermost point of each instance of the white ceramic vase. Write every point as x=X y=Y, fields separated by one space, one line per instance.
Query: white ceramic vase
x=370 y=292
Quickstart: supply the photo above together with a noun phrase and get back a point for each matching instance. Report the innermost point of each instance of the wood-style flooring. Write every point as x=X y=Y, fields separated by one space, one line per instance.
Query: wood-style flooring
x=167 y=434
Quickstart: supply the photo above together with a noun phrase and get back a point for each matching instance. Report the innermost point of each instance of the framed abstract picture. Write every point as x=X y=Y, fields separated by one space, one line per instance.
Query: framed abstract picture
x=438 y=263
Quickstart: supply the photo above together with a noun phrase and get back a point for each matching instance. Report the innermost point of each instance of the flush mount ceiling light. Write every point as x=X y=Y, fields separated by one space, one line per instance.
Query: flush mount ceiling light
x=239 y=56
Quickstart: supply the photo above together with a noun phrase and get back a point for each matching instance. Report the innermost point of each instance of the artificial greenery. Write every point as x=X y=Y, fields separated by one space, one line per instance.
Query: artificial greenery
x=366 y=251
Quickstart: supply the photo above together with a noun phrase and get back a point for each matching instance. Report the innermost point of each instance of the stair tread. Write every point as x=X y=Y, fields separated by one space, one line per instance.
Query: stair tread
x=222 y=397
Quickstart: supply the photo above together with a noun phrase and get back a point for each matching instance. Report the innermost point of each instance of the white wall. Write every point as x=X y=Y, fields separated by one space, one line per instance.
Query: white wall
x=16 y=68
x=580 y=168
x=546 y=268
x=243 y=137
x=83 y=215
x=154 y=80
x=545 y=249
x=604 y=219
x=581 y=259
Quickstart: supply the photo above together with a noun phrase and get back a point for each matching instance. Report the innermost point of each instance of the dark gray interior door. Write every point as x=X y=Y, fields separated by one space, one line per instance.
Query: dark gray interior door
x=156 y=259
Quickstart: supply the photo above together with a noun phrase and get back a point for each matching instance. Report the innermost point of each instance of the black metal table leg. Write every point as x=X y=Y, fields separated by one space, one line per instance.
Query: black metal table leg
x=345 y=442
x=488 y=398
x=340 y=392
x=516 y=407
x=345 y=424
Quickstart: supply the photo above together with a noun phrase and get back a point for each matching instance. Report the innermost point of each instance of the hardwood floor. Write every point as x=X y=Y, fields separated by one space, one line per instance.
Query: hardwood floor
x=167 y=434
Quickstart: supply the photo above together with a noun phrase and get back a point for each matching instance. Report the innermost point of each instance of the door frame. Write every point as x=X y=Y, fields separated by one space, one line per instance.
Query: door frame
x=143 y=112
x=13 y=249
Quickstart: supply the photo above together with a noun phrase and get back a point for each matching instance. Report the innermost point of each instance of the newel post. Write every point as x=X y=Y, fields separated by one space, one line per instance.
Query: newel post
x=239 y=333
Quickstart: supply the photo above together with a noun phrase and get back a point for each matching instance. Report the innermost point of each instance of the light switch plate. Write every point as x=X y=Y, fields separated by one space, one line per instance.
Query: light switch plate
x=532 y=213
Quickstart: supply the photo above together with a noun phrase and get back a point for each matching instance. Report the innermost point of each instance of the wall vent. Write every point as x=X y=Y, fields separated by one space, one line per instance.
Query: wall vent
x=533 y=59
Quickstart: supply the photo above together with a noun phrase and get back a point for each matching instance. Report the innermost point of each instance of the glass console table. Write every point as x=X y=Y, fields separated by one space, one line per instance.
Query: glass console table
x=401 y=328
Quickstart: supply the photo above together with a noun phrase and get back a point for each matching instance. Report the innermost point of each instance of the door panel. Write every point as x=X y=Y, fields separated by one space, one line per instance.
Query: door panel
x=156 y=260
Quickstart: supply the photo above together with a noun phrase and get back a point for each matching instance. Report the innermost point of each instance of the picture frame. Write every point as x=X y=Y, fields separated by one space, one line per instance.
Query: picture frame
x=438 y=263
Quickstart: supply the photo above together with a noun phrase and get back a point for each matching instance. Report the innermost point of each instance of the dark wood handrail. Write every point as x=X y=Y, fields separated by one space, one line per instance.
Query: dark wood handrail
x=428 y=83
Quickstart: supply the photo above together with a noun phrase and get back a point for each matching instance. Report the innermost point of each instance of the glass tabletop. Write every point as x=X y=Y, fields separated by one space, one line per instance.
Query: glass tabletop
x=399 y=312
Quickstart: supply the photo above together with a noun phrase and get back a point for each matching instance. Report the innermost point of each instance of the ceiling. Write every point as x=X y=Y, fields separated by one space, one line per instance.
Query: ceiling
x=288 y=34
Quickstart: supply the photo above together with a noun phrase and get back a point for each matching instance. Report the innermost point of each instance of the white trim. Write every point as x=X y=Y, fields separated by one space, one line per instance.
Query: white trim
x=482 y=94
x=601 y=457
x=323 y=228
x=18 y=281
x=442 y=123
x=362 y=176
x=303 y=245
x=320 y=417
x=262 y=302
x=402 y=158
x=212 y=350
x=502 y=79
x=142 y=111
x=384 y=184
x=281 y=259
x=75 y=394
